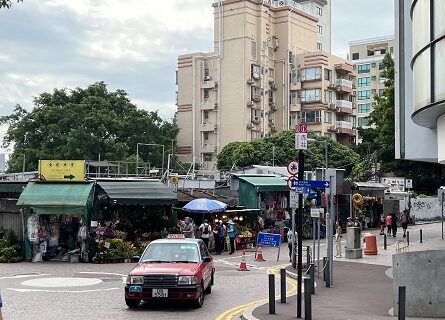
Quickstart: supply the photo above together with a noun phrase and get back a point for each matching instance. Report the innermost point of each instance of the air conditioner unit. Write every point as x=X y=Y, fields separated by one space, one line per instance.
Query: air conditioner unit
x=256 y=76
x=373 y=77
x=256 y=97
x=256 y=119
x=274 y=86
x=250 y=104
x=271 y=81
x=207 y=78
x=273 y=128
x=250 y=81
x=373 y=64
x=273 y=107
x=249 y=125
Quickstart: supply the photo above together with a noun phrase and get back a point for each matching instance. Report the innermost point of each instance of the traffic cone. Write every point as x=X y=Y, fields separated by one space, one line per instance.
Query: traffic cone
x=243 y=265
x=259 y=256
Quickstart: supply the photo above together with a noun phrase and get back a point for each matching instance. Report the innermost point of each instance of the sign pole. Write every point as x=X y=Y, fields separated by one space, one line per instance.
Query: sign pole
x=300 y=233
x=443 y=194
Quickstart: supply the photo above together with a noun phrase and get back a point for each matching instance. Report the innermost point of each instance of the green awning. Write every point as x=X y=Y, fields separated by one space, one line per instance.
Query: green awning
x=8 y=187
x=266 y=184
x=58 y=198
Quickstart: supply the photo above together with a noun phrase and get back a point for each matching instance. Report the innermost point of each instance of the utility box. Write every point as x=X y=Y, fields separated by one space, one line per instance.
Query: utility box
x=353 y=248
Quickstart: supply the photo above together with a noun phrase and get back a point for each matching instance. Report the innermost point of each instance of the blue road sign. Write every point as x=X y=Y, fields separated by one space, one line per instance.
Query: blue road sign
x=310 y=183
x=269 y=239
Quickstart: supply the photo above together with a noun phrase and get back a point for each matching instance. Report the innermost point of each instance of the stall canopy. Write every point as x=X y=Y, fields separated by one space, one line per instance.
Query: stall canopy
x=267 y=183
x=58 y=198
x=150 y=192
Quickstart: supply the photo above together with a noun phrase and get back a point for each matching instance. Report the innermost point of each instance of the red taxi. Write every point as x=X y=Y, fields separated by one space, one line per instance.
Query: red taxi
x=174 y=268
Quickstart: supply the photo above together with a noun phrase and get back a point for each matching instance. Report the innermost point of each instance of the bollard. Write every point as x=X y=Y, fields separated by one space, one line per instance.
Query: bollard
x=384 y=241
x=312 y=275
x=324 y=269
x=307 y=300
x=308 y=256
x=283 y=285
x=421 y=236
x=402 y=296
x=407 y=237
x=271 y=294
x=328 y=274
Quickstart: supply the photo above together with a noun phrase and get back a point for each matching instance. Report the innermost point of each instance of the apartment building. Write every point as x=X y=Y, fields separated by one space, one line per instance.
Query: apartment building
x=322 y=9
x=240 y=92
x=324 y=96
x=367 y=56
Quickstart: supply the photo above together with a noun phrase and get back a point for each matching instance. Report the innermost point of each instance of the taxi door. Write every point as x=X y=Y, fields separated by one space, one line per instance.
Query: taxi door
x=206 y=266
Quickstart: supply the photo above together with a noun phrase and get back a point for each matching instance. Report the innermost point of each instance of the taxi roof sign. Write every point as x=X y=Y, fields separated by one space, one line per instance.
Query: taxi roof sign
x=176 y=236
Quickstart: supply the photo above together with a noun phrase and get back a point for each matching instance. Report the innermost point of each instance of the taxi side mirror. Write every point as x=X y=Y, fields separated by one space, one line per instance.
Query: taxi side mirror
x=207 y=259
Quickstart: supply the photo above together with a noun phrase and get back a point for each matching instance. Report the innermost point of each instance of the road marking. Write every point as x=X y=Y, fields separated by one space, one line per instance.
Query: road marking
x=231 y=313
x=26 y=276
x=60 y=291
x=105 y=273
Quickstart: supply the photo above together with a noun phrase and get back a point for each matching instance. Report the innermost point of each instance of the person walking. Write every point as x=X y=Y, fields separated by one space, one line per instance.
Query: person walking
x=394 y=224
x=388 y=224
x=382 y=224
x=231 y=231
x=217 y=233
x=338 y=236
x=404 y=221
x=289 y=243
x=188 y=230
x=205 y=230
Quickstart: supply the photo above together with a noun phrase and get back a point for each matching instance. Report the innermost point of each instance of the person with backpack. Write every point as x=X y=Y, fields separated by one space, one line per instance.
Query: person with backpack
x=217 y=235
x=404 y=220
x=232 y=233
x=205 y=229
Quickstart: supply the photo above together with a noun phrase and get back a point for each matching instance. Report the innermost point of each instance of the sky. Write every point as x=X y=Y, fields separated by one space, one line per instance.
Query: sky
x=130 y=44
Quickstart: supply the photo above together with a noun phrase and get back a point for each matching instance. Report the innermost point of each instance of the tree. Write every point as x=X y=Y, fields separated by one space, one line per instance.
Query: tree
x=84 y=124
x=380 y=139
x=7 y=3
x=259 y=151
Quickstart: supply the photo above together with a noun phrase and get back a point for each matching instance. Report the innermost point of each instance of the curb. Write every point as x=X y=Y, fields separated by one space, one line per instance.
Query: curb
x=248 y=314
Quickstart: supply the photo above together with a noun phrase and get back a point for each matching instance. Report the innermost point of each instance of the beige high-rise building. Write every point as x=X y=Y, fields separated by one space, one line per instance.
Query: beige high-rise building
x=243 y=90
x=322 y=8
x=367 y=56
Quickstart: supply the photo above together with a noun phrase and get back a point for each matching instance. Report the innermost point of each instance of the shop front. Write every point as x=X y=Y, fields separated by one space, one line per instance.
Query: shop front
x=368 y=203
x=56 y=220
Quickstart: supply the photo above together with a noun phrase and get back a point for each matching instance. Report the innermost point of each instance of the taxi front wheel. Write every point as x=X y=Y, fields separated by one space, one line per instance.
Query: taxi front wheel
x=200 y=301
x=132 y=303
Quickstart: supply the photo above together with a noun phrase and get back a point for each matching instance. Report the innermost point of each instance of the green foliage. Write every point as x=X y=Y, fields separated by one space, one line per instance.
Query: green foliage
x=7 y=3
x=84 y=124
x=10 y=247
x=243 y=154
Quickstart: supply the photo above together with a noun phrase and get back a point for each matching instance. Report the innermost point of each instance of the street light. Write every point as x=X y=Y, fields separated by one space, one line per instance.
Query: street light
x=149 y=144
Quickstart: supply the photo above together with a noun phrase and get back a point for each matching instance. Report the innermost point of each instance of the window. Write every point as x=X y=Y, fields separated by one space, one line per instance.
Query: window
x=311 y=116
x=272 y=73
x=327 y=117
x=380 y=92
x=206 y=93
x=310 y=74
x=256 y=93
x=327 y=96
x=391 y=49
x=176 y=77
x=253 y=50
x=319 y=29
x=363 y=95
x=382 y=51
x=319 y=46
x=206 y=115
x=363 y=82
x=270 y=52
x=207 y=157
x=206 y=136
x=310 y=95
x=355 y=56
x=363 y=121
x=381 y=66
x=364 y=108
x=382 y=80
x=364 y=68
x=264 y=45
x=327 y=74
x=319 y=11
x=255 y=71
x=370 y=53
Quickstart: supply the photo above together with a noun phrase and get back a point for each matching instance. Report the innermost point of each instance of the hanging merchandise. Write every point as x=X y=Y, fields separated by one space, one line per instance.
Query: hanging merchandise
x=43 y=247
x=33 y=228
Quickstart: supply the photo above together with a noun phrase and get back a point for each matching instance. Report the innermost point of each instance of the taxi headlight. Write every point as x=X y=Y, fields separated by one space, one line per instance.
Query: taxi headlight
x=135 y=280
x=187 y=280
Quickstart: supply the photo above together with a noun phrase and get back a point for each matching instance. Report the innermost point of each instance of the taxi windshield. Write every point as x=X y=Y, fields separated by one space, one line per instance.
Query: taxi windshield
x=171 y=252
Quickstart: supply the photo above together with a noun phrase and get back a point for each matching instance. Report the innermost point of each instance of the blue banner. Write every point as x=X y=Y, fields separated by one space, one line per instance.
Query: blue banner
x=269 y=239
x=310 y=183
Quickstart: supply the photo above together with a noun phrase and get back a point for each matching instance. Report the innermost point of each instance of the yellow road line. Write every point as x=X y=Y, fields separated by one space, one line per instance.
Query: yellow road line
x=229 y=314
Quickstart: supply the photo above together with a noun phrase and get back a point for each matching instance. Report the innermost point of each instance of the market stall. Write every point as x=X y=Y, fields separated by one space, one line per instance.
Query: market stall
x=56 y=220
x=367 y=202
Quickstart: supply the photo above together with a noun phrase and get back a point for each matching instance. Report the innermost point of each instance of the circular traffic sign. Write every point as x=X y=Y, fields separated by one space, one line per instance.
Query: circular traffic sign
x=289 y=182
x=292 y=167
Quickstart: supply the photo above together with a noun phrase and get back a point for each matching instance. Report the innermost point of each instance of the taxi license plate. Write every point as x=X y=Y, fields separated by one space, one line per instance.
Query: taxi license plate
x=160 y=293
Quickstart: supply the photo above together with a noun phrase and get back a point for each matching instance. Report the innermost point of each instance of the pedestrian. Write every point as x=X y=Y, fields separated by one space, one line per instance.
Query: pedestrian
x=404 y=221
x=231 y=232
x=224 y=239
x=289 y=243
x=388 y=224
x=217 y=233
x=350 y=222
x=338 y=236
x=188 y=230
x=382 y=224
x=394 y=224
x=205 y=230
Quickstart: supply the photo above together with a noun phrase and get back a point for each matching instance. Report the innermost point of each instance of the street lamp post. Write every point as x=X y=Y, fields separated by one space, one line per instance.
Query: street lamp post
x=149 y=144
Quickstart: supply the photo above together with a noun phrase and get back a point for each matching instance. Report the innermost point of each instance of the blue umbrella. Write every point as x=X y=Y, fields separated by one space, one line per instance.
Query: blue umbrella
x=204 y=205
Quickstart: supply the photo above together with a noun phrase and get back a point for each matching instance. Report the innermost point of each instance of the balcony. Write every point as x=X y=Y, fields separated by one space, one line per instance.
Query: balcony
x=344 y=106
x=208 y=84
x=343 y=67
x=345 y=127
x=295 y=107
x=342 y=85
x=208 y=148
x=295 y=86
x=208 y=126
x=208 y=105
